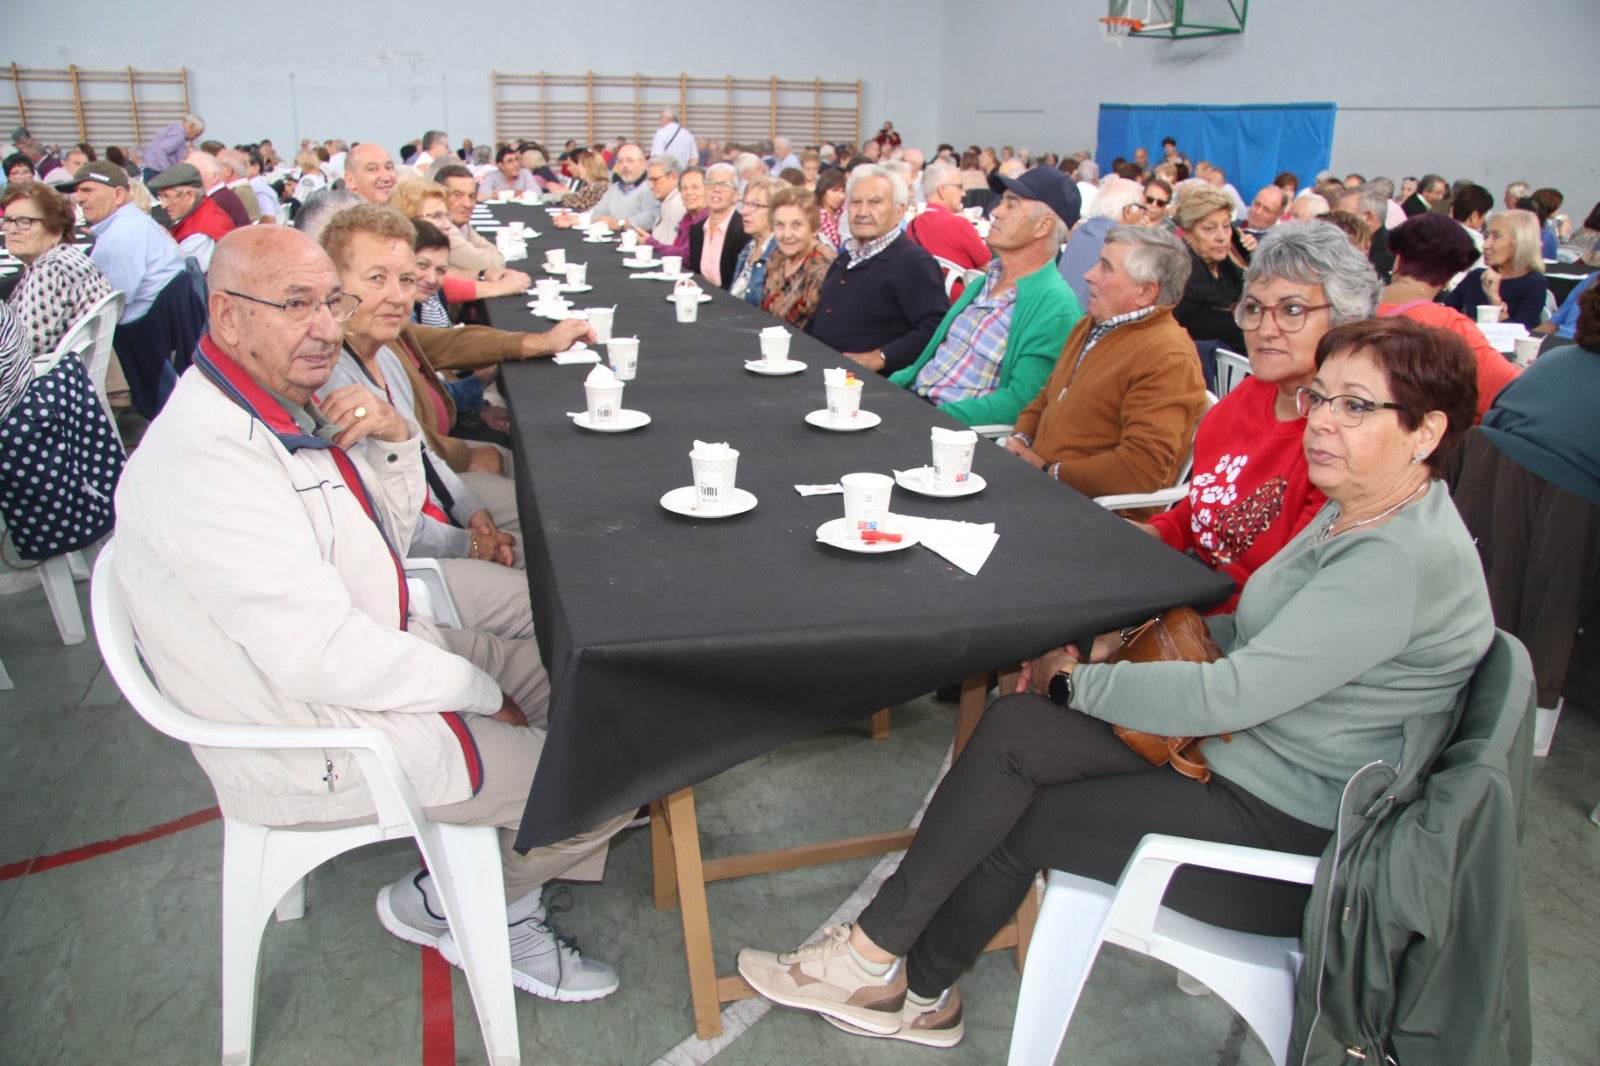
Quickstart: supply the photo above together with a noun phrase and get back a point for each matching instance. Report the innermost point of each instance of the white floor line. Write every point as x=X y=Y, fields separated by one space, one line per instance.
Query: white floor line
x=740 y=1016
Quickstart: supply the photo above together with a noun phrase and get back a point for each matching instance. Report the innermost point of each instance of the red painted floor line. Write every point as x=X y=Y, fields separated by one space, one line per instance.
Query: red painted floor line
x=438 y=1011
x=106 y=847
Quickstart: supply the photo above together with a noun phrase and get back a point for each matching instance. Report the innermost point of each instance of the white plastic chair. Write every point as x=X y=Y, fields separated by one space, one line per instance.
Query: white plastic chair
x=1232 y=368
x=90 y=337
x=1137 y=501
x=430 y=595
x=264 y=868
x=5 y=678
x=1254 y=974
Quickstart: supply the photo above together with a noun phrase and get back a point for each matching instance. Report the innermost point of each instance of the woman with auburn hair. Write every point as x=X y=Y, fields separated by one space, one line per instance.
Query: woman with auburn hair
x=1512 y=277
x=59 y=282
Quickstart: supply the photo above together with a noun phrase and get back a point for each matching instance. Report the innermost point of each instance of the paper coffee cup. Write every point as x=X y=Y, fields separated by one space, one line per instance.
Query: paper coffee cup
x=518 y=229
x=866 y=502
x=844 y=401
x=952 y=457
x=775 y=346
x=548 y=290
x=605 y=403
x=577 y=273
x=601 y=318
x=1527 y=349
x=688 y=304
x=715 y=468
x=1488 y=314
x=628 y=240
x=623 y=355
x=585 y=219
x=672 y=265
x=644 y=253
x=555 y=257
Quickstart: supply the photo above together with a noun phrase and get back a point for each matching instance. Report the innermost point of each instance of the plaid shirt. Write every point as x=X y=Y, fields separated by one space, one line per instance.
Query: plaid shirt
x=967 y=363
x=860 y=253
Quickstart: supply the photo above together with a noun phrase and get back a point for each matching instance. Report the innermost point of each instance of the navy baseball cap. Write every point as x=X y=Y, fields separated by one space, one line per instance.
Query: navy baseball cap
x=1056 y=190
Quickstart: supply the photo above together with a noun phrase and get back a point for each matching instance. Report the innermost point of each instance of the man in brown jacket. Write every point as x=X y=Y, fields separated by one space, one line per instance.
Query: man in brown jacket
x=1119 y=411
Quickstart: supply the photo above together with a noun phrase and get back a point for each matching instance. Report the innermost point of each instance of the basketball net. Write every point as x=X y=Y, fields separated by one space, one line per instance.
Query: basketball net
x=1116 y=28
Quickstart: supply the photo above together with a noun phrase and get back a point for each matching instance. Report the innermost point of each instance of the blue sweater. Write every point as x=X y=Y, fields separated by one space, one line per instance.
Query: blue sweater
x=894 y=301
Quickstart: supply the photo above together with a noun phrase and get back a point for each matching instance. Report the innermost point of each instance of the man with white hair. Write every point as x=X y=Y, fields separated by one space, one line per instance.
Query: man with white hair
x=1088 y=178
x=1308 y=205
x=883 y=296
x=1119 y=410
x=913 y=159
x=996 y=346
x=673 y=139
x=233 y=168
x=941 y=230
x=171 y=144
x=747 y=165
x=1120 y=202
x=783 y=156
x=1368 y=203
x=211 y=178
x=661 y=174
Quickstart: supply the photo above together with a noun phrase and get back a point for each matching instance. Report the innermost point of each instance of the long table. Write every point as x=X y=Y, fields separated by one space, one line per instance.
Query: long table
x=678 y=648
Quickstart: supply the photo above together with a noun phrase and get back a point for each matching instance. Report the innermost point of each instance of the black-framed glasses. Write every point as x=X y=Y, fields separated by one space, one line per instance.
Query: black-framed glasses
x=20 y=223
x=1289 y=315
x=1347 y=410
x=302 y=308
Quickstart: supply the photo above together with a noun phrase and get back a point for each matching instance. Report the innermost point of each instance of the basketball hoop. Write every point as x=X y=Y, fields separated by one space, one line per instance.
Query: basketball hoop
x=1117 y=28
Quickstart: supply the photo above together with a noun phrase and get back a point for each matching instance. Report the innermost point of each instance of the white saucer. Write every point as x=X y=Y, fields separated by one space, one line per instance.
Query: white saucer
x=597 y=240
x=863 y=420
x=577 y=288
x=704 y=298
x=634 y=264
x=920 y=481
x=682 y=501
x=833 y=535
x=761 y=366
x=561 y=270
x=548 y=309
x=626 y=420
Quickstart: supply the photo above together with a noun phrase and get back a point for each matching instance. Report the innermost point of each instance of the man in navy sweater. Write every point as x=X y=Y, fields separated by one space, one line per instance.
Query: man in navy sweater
x=884 y=295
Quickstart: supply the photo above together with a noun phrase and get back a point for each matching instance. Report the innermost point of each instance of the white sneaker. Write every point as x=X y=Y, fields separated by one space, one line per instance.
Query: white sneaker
x=406 y=910
x=545 y=961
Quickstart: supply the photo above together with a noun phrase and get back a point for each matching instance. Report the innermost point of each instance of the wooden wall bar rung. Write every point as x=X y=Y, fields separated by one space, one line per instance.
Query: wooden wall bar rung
x=63 y=106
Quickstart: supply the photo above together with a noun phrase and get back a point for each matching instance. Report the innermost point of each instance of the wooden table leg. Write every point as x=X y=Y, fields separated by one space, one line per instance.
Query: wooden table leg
x=684 y=830
x=665 y=877
x=974 y=693
x=880 y=724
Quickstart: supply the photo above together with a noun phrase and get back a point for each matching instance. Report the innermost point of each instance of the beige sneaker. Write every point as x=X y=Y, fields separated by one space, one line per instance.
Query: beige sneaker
x=933 y=1025
x=823 y=976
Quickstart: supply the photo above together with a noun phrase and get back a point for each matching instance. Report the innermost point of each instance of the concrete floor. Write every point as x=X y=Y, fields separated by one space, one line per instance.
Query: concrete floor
x=114 y=958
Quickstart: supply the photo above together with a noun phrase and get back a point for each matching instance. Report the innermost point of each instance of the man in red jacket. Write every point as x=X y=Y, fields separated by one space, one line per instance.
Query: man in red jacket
x=194 y=218
x=942 y=231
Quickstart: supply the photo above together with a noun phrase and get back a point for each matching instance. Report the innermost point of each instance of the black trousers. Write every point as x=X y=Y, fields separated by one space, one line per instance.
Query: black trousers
x=1039 y=787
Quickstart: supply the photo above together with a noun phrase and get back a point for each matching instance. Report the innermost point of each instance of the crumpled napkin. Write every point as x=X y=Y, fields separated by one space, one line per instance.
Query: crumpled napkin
x=966 y=544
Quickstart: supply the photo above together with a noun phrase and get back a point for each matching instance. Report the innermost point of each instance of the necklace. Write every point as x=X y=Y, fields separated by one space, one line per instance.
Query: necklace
x=1327 y=532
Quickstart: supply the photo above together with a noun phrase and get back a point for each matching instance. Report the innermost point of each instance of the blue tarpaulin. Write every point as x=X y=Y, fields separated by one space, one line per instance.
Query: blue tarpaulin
x=1252 y=143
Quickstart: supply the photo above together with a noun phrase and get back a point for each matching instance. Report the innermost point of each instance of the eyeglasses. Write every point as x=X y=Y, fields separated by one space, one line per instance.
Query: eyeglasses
x=20 y=223
x=721 y=185
x=1289 y=315
x=1348 y=411
x=753 y=205
x=1153 y=202
x=437 y=216
x=303 y=308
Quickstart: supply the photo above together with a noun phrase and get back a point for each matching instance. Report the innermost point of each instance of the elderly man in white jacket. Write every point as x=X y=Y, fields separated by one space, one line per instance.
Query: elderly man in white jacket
x=256 y=543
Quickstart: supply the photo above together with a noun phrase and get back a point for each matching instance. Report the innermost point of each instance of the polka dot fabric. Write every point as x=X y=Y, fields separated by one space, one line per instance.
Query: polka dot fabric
x=55 y=291
x=59 y=463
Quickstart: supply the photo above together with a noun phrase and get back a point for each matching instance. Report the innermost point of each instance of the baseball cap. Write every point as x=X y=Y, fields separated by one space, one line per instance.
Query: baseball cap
x=174 y=176
x=1056 y=190
x=100 y=172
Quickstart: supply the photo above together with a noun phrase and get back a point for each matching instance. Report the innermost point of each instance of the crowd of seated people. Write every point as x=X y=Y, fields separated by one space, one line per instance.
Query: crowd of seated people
x=1074 y=324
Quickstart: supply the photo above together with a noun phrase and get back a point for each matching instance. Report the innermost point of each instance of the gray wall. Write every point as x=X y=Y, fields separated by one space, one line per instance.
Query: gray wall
x=1485 y=79
x=1488 y=79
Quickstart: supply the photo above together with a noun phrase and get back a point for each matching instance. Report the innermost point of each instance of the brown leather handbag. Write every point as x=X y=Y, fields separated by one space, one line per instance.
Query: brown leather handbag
x=1175 y=635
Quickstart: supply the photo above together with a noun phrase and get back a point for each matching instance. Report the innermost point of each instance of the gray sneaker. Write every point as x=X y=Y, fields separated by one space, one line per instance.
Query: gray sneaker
x=545 y=961
x=937 y=1024
x=406 y=911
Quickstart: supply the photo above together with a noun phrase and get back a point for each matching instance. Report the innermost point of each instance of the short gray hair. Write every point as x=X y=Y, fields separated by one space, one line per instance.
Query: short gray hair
x=935 y=175
x=668 y=163
x=723 y=168
x=319 y=209
x=1314 y=253
x=1384 y=185
x=433 y=137
x=1088 y=170
x=670 y=114
x=902 y=194
x=1114 y=195
x=1154 y=256
x=1372 y=201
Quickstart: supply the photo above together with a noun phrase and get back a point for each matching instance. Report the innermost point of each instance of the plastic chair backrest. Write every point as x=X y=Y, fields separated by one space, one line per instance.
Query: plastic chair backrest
x=1232 y=368
x=90 y=340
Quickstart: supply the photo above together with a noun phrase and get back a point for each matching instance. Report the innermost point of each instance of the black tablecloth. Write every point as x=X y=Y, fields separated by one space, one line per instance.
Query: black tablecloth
x=1564 y=277
x=679 y=647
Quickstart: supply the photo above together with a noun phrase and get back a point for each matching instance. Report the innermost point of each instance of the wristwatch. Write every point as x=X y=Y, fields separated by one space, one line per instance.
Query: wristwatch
x=1060 y=690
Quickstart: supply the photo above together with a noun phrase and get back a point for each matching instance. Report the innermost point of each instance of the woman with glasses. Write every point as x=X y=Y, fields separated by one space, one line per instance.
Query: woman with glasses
x=421 y=200
x=1429 y=250
x=755 y=213
x=59 y=283
x=1373 y=616
x=1157 y=200
x=1251 y=492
